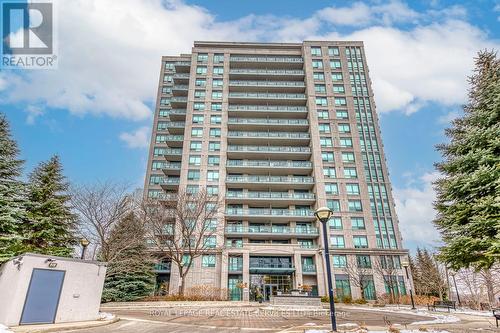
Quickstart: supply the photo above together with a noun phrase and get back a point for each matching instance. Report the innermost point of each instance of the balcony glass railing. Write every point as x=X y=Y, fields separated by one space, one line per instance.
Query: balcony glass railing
x=246 y=83
x=270 y=179
x=236 y=107
x=182 y=63
x=271 y=265
x=174 y=166
x=275 y=229
x=287 y=135
x=180 y=87
x=269 y=195
x=171 y=181
x=267 y=71
x=163 y=267
x=177 y=111
x=270 y=212
x=266 y=59
x=178 y=99
x=268 y=121
x=308 y=246
x=175 y=137
x=173 y=151
x=181 y=76
x=308 y=268
x=266 y=163
x=277 y=149
x=267 y=95
x=176 y=124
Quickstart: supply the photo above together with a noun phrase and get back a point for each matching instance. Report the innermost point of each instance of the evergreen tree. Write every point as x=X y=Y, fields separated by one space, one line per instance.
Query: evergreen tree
x=468 y=195
x=130 y=273
x=12 y=201
x=51 y=225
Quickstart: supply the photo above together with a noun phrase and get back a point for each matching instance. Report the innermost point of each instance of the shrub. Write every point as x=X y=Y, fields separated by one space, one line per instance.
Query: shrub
x=325 y=299
x=195 y=293
x=360 y=301
x=347 y=299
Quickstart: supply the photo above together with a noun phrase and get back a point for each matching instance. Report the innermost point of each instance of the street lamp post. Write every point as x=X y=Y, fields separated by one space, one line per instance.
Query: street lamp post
x=405 y=264
x=323 y=214
x=84 y=243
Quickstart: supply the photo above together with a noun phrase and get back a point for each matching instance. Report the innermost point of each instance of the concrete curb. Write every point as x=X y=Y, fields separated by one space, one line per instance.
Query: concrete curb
x=62 y=326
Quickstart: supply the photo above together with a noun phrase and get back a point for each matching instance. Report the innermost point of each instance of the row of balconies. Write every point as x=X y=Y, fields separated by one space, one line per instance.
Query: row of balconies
x=272 y=230
x=250 y=110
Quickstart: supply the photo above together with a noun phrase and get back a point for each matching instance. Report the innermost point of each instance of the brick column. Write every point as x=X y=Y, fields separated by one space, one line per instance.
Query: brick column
x=246 y=275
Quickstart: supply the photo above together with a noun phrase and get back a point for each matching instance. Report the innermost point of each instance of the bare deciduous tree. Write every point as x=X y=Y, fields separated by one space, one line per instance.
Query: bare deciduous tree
x=99 y=208
x=181 y=227
x=388 y=270
x=357 y=271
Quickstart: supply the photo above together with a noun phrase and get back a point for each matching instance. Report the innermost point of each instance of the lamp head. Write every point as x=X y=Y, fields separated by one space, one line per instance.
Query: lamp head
x=323 y=214
x=84 y=242
x=405 y=262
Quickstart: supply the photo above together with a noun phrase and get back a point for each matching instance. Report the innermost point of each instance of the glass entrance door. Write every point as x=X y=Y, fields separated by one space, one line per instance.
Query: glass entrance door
x=270 y=290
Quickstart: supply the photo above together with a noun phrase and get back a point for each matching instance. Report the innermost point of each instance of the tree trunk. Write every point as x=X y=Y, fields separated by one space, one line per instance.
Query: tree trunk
x=488 y=281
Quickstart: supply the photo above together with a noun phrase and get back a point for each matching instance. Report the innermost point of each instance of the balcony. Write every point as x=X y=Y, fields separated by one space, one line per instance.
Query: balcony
x=172 y=168
x=271 y=268
x=264 y=124
x=170 y=183
x=173 y=154
x=178 y=101
x=180 y=90
x=291 y=138
x=274 y=214
x=285 y=152
x=276 y=231
x=261 y=85
x=181 y=78
x=176 y=127
x=266 y=59
x=177 y=114
x=182 y=66
x=268 y=110
x=276 y=182
x=257 y=197
x=309 y=269
x=269 y=167
x=175 y=140
x=266 y=98
x=163 y=267
x=260 y=73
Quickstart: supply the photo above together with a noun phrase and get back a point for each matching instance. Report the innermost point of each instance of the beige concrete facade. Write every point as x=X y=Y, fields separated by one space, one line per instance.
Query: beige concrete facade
x=278 y=129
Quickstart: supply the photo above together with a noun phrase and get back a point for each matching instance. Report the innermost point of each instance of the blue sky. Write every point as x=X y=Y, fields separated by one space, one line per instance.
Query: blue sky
x=95 y=109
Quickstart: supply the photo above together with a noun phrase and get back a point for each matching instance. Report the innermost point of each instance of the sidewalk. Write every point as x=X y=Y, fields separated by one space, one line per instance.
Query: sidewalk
x=62 y=326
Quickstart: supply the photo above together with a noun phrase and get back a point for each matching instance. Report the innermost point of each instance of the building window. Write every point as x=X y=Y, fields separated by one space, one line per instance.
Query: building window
x=360 y=242
x=358 y=223
x=217 y=83
x=363 y=261
x=214 y=146
x=208 y=260
x=202 y=70
x=216 y=107
x=199 y=106
x=213 y=175
x=327 y=157
x=337 y=241
x=218 y=70
x=197 y=131
x=322 y=101
x=340 y=101
x=323 y=114
x=337 y=77
x=350 y=173
x=202 y=57
x=316 y=51
x=317 y=64
x=324 y=128
x=352 y=189
x=200 y=82
x=194 y=160
x=160 y=138
x=213 y=190
x=326 y=142
x=216 y=120
x=332 y=188
x=158 y=165
x=193 y=174
x=347 y=157
x=320 y=88
x=335 y=223
x=334 y=205
x=198 y=119
x=345 y=142
x=335 y=64
x=210 y=242
x=199 y=94
x=216 y=94
x=317 y=76
x=344 y=128
x=355 y=205
x=195 y=146
x=339 y=261
x=329 y=173
x=333 y=51
x=213 y=160
x=338 y=89
x=215 y=132
x=192 y=189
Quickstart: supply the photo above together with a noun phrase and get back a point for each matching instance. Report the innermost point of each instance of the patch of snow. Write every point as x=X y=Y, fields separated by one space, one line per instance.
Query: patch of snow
x=316 y=331
x=4 y=329
x=438 y=319
x=309 y=324
x=104 y=316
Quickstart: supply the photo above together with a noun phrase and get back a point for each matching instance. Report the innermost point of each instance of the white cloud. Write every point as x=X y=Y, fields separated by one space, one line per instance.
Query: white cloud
x=137 y=139
x=447 y=118
x=109 y=52
x=414 y=206
x=33 y=112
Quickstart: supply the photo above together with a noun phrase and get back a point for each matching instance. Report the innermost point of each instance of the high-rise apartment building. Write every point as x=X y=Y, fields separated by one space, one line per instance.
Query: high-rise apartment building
x=278 y=130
